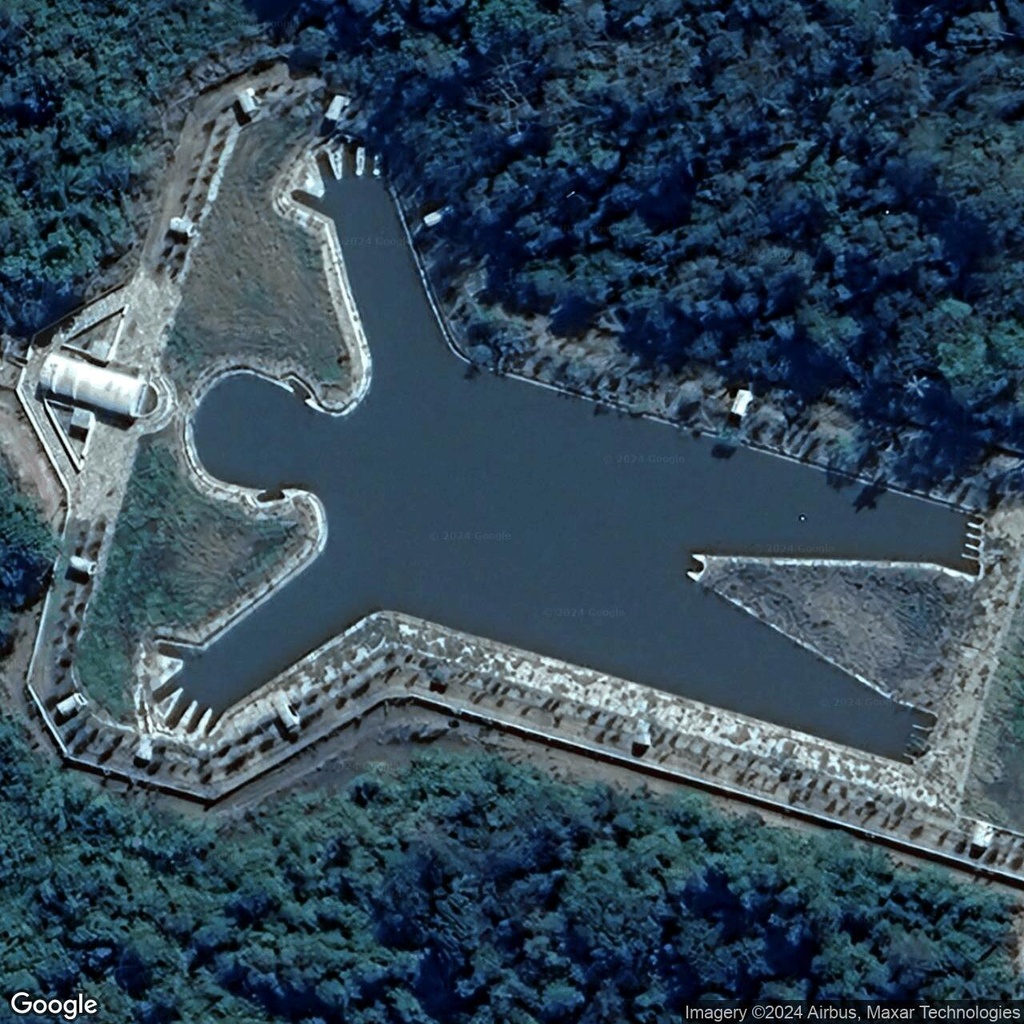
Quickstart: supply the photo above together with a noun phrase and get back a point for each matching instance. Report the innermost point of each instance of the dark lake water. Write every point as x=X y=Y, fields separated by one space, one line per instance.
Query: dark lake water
x=515 y=513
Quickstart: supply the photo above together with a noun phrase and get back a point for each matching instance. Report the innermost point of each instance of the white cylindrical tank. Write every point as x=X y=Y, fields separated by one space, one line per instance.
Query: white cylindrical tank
x=84 y=384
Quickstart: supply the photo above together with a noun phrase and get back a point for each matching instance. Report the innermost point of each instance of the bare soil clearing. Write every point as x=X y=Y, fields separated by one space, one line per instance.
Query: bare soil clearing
x=995 y=784
x=996 y=787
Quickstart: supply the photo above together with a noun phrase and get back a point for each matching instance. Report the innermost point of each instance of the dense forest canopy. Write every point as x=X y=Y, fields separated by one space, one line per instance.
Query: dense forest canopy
x=463 y=889
x=83 y=83
x=27 y=550
x=819 y=197
x=816 y=196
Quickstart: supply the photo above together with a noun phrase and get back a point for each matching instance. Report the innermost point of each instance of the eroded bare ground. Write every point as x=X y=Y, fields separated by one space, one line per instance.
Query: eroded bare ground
x=995 y=788
x=897 y=627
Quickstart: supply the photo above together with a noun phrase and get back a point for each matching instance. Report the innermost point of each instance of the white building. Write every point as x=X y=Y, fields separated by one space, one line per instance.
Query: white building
x=247 y=104
x=289 y=720
x=337 y=107
x=71 y=705
x=82 y=383
x=741 y=403
x=182 y=227
x=81 y=568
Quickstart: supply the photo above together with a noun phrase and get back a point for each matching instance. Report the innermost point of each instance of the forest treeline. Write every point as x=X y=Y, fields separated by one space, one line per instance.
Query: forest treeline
x=463 y=889
x=819 y=197
x=27 y=550
x=810 y=195
x=83 y=85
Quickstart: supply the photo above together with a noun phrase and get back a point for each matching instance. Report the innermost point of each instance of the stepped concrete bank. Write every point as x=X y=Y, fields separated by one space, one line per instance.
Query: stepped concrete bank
x=390 y=659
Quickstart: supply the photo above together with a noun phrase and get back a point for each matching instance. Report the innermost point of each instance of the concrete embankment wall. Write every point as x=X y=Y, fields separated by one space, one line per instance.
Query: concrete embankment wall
x=390 y=658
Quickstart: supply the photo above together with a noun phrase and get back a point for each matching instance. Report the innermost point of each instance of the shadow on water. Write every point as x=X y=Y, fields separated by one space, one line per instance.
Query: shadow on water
x=504 y=510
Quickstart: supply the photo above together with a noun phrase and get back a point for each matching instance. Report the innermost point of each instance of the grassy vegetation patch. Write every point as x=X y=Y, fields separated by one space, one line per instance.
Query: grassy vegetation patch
x=27 y=549
x=178 y=557
x=257 y=290
x=997 y=786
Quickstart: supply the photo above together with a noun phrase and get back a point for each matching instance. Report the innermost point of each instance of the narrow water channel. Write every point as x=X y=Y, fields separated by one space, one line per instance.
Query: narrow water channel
x=511 y=512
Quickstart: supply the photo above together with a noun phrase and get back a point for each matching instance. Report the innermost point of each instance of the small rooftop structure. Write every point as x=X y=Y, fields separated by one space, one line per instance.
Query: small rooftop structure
x=641 y=738
x=701 y=563
x=247 y=104
x=182 y=227
x=337 y=107
x=981 y=838
x=70 y=706
x=741 y=403
x=80 y=568
x=144 y=751
x=289 y=720
x=98 y=387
